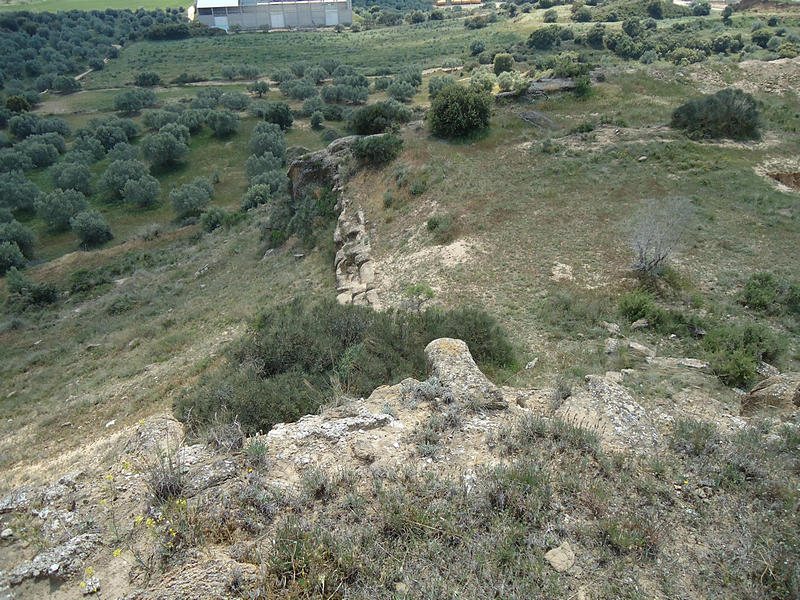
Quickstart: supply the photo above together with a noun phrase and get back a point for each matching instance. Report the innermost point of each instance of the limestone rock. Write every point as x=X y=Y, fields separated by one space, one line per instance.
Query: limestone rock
x=608 y=408
x=62 y=562
x=781 y=393
x=640 y=324
x=641 y=349
x=333 y=424
x=677 y=363
x=611 y=328
x=767 y=370
x=450 y=361
x=611 y=345
x=561 y=558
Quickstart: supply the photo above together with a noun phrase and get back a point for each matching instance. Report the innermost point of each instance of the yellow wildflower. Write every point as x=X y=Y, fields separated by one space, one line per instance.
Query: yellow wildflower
x=117 y=552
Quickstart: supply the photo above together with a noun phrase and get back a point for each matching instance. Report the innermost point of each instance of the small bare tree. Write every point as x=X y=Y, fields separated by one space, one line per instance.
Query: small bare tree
x=656 y=230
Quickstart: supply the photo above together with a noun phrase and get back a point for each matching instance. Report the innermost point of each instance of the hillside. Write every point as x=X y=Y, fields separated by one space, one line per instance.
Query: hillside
x=329 y=354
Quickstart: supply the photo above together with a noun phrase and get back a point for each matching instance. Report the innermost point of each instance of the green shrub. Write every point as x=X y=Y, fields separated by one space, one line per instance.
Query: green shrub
x=283 y=369
x=503 y=62
x=443 y=228
x=24 y=293
x=379 y=149
x=550 y=16
x=736 y=350
x=761 y=291
x=379 y=117
x=695 y=438
x=10 y=257
x=730 y=113
x=91 y=228
x=545 y=38
x=458 y=111
x=213 y=218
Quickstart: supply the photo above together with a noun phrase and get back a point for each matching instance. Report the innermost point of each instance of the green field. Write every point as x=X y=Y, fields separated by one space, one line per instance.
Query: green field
x=65 y=5
x=424 y=45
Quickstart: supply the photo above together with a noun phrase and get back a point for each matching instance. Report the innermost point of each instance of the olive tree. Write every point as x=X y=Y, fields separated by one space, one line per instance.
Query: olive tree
x=59 y=206
x=91 y=228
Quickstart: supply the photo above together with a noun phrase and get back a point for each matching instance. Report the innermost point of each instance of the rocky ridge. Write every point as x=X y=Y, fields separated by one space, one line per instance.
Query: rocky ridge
x=102 y=516
x=355 y=269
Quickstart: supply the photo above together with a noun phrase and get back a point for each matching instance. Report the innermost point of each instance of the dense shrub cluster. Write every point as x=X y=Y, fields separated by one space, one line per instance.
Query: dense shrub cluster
x=730 y=113
x=378 y=150
x=768 y=293
x=734 y=350
x=457 y=111
x=379 y=117
x=285 y=366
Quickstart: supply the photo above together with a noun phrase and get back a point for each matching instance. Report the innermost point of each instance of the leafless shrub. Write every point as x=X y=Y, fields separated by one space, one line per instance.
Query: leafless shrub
x=656 y=230
x=164 y=473
x=224 y=434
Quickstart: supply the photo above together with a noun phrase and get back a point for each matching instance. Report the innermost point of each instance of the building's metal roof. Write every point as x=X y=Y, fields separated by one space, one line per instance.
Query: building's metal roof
x=217 y=3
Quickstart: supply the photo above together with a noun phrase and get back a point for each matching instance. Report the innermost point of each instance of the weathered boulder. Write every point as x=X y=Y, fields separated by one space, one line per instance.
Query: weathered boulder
x=608 y=408
x=780 y=393
x=450 y=361
x=320 y=168
x=62 y=562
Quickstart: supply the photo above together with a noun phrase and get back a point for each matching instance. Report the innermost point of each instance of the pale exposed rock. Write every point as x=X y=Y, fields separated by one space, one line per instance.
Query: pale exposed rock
x=767 y=370
x=640 y=324
x=611 y=345
x=611 y=328
x=615 y=376
x=450 y=361
x=366 y=274
x=561 y=558
x=355 y=275
x=675 y=363
x=62 y=562
x=780 y=393
x=209 y=475
x=334 y=424
x=7 y=533
x=608 y=408
x=641 y=349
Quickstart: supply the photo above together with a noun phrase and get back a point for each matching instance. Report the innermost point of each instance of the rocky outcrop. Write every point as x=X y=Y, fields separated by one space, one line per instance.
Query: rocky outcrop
x=607 y=407
x=321 y=168
x=780 y=393
x=450 y=361
x=61 y=562
x=355 y=270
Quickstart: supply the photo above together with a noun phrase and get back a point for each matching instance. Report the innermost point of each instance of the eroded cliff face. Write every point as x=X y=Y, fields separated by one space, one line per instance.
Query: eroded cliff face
x=353 y=264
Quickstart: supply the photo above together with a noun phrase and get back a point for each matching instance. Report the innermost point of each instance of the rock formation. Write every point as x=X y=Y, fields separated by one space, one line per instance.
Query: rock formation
x=355 y=271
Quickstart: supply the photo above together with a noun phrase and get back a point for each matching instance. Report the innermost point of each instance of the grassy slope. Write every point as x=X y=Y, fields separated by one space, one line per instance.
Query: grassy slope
x=425 y=45
x=526 y=209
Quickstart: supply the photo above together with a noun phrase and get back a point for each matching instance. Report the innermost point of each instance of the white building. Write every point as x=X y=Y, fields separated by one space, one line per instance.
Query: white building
x=279 y=14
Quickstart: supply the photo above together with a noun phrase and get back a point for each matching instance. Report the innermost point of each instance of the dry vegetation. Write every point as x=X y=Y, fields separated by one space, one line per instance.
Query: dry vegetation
x=532 y=224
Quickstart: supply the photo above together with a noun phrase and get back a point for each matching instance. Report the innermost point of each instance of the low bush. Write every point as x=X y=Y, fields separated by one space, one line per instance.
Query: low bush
x=379 y=117
x=736 y=351
x=284 y=367
x=458 y=111
x=24 y=293
x=729 y=113
x=378 y=150
x=443 y=228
